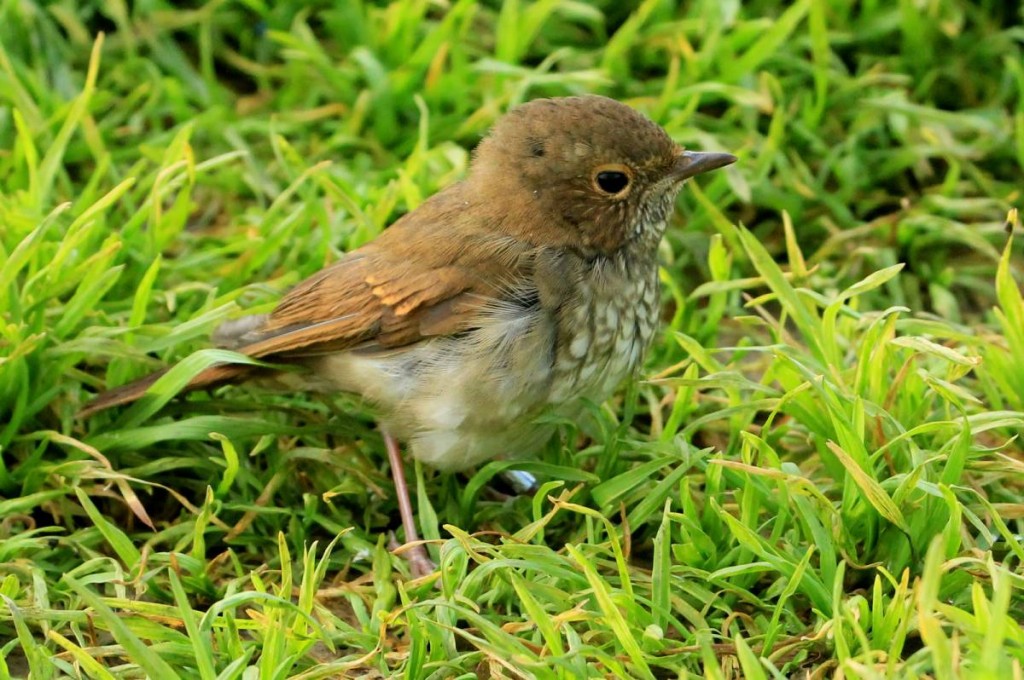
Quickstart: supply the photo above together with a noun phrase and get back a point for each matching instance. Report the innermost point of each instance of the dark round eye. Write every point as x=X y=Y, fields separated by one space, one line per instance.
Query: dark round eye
x=612 y=181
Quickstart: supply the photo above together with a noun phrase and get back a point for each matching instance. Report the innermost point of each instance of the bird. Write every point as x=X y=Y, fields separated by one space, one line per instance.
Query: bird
x=520 y=292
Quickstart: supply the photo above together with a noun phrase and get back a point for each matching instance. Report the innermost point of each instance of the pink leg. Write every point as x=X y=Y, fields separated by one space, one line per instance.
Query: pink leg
x=416 y=554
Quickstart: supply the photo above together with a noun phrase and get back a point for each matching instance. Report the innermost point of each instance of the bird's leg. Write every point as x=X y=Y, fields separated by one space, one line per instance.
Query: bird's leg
x=415 y=553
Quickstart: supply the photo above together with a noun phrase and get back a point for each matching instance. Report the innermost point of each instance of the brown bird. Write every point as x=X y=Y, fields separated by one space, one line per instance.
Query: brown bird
x=505 y=297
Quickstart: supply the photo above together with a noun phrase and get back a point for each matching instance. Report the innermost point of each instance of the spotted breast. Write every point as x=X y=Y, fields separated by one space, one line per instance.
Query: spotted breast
x=606 y=332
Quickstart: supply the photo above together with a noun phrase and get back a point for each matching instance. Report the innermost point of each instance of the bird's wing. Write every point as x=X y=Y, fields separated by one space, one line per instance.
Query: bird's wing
x=368 y=299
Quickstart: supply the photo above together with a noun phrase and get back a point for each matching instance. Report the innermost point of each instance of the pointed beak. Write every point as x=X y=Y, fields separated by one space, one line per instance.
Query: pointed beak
x=690 y=163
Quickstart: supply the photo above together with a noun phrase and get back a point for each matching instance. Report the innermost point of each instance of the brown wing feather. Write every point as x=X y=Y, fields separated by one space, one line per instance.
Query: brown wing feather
x=365 y=298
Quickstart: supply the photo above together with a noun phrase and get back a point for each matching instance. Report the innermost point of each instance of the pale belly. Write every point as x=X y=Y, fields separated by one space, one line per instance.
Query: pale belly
x=459 y=401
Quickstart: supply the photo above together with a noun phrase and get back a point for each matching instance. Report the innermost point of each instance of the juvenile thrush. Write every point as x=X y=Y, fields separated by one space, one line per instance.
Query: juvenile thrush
x=510 y=295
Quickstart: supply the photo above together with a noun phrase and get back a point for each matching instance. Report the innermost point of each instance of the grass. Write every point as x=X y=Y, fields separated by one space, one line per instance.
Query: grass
x=819 y=476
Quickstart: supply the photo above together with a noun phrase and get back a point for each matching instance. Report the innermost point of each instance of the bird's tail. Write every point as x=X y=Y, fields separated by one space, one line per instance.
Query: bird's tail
x=233 y=334
x=126 y=394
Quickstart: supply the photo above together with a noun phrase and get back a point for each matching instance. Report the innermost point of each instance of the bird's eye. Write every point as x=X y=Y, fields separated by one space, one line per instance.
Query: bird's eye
x=612 y=182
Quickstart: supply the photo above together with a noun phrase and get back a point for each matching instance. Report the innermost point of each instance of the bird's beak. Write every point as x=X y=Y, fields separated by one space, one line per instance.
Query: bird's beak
x=690 y=163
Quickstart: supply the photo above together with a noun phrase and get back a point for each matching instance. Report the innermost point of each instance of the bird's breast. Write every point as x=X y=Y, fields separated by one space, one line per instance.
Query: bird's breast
x=604 y=332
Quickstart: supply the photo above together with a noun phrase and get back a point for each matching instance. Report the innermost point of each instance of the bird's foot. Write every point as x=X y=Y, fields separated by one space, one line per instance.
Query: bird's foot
x=522 y=482
x=415 y=554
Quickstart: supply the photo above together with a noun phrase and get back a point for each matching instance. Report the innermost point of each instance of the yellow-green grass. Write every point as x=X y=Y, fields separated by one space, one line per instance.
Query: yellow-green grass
x=819 y=473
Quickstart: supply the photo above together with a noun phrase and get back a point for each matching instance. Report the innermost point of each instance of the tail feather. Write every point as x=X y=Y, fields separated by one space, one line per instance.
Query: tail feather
x=126 y=394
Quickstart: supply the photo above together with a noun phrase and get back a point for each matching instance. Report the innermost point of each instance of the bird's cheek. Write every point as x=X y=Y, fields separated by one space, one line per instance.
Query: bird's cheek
x=609 y=230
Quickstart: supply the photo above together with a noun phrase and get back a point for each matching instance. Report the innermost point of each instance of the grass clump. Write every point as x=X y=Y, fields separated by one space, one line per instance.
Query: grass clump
x=819 y=476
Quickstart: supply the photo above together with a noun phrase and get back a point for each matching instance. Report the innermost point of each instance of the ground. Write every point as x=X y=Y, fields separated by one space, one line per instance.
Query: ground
x=817 y=475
